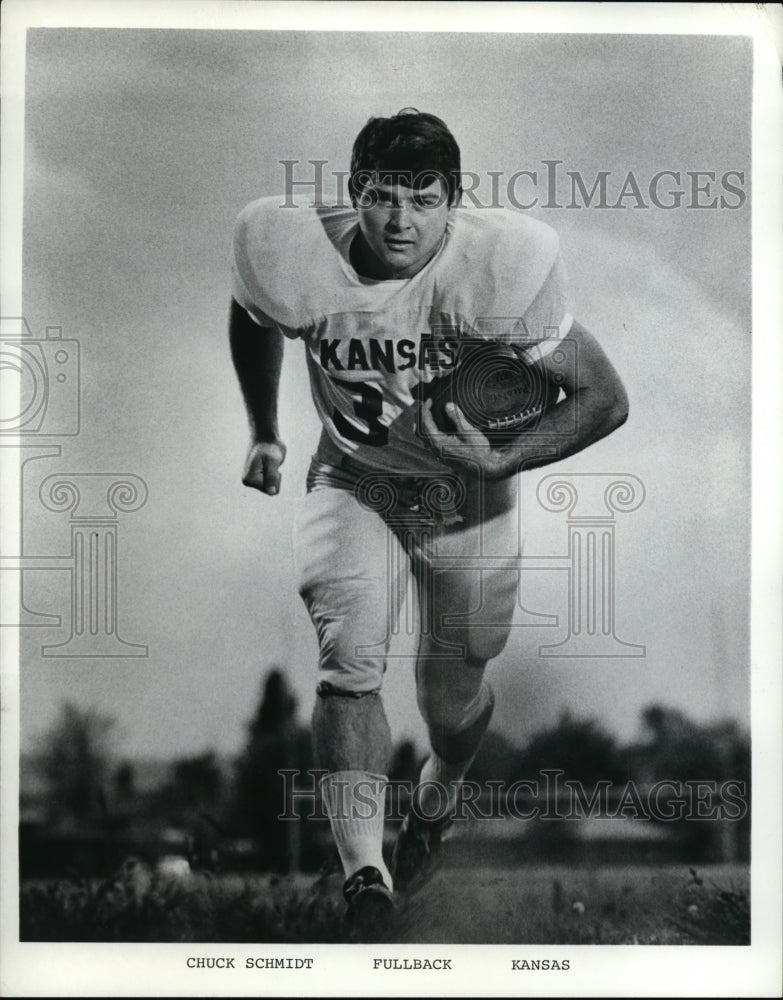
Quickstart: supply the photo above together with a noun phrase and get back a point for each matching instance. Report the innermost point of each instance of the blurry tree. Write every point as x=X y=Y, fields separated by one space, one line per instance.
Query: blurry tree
x=274 y=742
x=75 y=763
x=125 y=782
x=579 y=747
x=194 y=786
x=192 y=802
x=198 y=780
x=123 y=803
x=498 y=759
x=678 y=749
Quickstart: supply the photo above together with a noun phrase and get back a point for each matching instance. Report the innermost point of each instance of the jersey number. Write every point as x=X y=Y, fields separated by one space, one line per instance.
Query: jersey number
x=368 y=407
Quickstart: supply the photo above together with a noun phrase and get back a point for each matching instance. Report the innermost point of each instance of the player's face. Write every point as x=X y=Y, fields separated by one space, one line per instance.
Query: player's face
x=401 y=228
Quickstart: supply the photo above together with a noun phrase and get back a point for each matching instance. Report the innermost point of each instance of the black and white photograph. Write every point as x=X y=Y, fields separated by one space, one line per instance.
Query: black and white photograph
x=390 y=551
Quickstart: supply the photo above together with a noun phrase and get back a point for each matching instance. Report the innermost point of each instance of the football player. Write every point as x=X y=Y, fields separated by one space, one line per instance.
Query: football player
x=381 y=293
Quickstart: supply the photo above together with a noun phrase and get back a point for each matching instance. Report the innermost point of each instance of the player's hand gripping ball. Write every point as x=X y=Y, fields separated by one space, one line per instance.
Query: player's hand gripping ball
x=498 y=391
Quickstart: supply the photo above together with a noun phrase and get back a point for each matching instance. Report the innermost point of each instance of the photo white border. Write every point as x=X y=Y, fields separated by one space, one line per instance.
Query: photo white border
x=69 y=969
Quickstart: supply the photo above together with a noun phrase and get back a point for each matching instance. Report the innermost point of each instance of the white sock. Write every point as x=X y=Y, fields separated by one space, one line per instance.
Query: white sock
x=355 y=802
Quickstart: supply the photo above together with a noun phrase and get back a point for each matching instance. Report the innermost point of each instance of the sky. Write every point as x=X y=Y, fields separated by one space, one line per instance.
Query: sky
x=142 y=147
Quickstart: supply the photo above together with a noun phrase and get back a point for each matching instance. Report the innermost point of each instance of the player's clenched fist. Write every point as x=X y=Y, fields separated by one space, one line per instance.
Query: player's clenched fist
x=262 y=468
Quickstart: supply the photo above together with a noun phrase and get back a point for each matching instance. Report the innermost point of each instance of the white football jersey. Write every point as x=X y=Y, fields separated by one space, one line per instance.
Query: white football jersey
x=370 y=343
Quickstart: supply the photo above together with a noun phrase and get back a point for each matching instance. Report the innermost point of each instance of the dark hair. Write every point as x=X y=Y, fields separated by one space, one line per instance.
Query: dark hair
x=411 y=146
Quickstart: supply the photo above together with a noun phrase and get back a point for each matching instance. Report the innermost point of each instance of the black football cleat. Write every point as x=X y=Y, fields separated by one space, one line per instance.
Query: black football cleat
x=370 y=901
x=417 y=849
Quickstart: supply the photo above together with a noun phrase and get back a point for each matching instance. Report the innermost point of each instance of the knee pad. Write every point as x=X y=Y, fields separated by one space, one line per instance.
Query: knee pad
x=454 y=747
x=343 y=667
x=486 y=642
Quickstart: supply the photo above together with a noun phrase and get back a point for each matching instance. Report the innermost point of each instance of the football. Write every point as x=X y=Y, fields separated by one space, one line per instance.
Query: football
x=499 y=392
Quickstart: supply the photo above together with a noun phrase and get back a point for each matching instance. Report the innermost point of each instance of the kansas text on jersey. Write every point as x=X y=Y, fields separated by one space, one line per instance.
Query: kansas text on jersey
x=370 y=343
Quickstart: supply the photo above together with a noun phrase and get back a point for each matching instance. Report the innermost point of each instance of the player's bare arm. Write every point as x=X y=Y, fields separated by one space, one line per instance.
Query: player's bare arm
x=595 y=405
x=257 y=353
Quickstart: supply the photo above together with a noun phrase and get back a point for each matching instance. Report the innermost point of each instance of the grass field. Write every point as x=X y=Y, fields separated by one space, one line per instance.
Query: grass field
x=542 y=904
